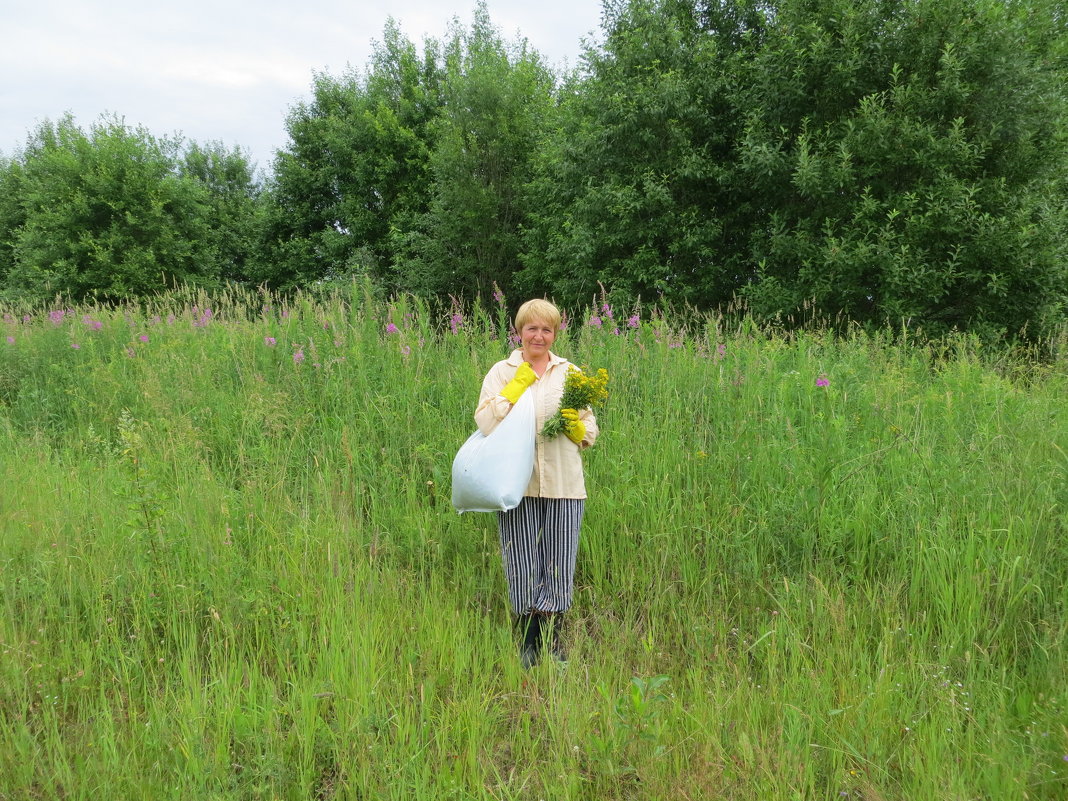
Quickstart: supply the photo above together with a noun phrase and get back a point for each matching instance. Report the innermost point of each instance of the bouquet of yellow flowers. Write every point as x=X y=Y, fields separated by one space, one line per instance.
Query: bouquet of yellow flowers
x=580 y=390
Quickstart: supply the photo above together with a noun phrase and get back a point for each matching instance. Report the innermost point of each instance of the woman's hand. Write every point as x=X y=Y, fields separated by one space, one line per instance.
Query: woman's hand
x=574 y=429
x=524 y=377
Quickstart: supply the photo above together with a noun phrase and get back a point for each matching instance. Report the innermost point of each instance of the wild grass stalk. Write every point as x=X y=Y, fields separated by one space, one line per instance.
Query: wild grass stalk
x=813 y=565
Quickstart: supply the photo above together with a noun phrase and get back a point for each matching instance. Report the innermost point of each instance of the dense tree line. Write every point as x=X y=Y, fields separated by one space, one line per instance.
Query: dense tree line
x=884 y=160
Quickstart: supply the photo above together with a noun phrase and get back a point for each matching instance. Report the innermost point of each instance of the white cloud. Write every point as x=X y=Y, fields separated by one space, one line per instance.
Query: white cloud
x=224 y=70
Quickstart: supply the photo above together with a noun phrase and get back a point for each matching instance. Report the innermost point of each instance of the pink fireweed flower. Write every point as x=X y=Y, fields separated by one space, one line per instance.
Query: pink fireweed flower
x=298 y=356
x=822 y=381
x=8 y=318
x=143 y=338
x=392 y=329
x=606 y=310
x=633 y=321
x=498 y=296
x=616 y=331
x=456 y=322
x=595 y=322
x=75 y=345
x=406 y=350
x=11 y=340
x=515 y=340
x=56 y=316
x=270 y=342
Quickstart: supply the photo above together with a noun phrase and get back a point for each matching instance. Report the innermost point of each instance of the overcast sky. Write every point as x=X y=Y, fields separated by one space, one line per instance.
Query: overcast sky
x=223 y=70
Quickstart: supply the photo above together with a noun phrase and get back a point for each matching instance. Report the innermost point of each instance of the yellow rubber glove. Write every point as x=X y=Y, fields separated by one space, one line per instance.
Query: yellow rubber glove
x=524 y=377
x=574 y=428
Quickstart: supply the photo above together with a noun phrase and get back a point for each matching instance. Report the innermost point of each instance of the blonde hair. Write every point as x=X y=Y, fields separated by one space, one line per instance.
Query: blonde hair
x=537 y=309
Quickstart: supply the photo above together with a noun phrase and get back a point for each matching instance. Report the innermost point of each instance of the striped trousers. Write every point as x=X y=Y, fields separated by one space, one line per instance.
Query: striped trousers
x=539 y=543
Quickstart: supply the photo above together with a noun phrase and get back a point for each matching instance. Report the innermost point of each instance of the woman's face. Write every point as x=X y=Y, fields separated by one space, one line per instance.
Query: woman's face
x=536 y=337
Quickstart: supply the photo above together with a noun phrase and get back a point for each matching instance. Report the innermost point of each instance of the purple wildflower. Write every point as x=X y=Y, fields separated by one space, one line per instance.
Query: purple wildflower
x=633 y=321
x=675 y=345
x=606 y=310
x=595 y=322
x=56 y=316
x=406 y=350
x=8 y=318
x=822 y=381
x=11 y=340
x=130 y=351
x=270 y=342
x=456 y=322
x=392 y=329
x=498 y=296
x=298 y=356
x=143 y=338
x=617 y=332
x=515 y=340
x=75 y=345
x=170 y=319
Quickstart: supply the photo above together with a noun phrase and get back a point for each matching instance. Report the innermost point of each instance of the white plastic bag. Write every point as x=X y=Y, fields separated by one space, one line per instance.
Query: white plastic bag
x=490 y=474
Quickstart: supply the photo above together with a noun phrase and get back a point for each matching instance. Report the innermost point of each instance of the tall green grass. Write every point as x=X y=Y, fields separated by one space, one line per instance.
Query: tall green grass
x=230 y=569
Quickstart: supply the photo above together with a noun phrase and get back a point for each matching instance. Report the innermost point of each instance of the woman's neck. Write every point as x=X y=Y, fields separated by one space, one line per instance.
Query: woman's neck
x=537 y=363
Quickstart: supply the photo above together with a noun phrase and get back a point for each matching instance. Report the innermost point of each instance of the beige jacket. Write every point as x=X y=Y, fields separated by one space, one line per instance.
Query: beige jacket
x=557 y=463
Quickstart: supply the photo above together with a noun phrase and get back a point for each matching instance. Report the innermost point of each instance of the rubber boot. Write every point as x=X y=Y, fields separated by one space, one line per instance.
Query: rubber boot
x=556 y=636
x=530 y=640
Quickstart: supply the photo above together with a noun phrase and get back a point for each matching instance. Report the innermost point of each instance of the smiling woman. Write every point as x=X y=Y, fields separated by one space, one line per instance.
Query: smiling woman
x=539 y=538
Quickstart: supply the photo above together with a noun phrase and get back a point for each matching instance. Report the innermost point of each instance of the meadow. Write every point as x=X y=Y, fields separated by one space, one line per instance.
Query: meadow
x=814 y=565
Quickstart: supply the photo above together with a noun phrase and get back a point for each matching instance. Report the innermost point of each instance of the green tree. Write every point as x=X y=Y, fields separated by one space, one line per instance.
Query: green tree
x=232 y=206
x=12 y=213
x=497 y=99
x=909 y=158
x=634 y=190
x=356 y=168
x=106 y=214
x=884 y=159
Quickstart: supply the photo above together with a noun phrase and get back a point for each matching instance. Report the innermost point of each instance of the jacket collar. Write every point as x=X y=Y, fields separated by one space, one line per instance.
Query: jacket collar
x=516 y=358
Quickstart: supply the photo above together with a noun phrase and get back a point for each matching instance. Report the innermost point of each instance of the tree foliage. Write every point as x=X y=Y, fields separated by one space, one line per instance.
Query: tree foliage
x=882 y=160
x=910 y=158
x=496 y=102
x=356 y=169
x=111 y=213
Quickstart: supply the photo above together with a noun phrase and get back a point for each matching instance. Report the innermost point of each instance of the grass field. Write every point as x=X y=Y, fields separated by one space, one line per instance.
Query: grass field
x=812 y=566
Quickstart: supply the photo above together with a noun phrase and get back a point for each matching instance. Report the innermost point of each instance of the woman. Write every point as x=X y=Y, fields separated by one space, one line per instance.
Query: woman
x=539 y=538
